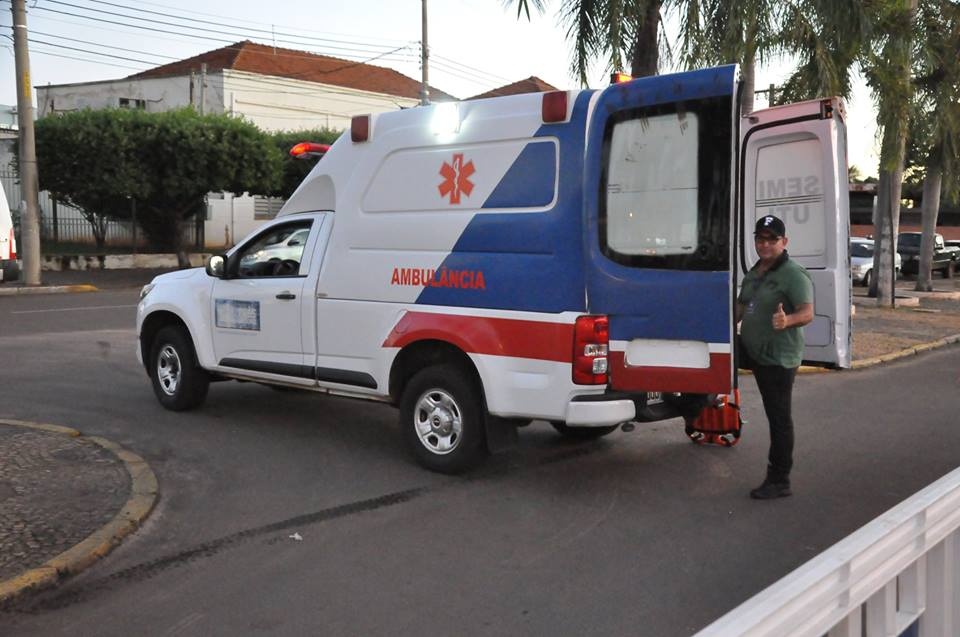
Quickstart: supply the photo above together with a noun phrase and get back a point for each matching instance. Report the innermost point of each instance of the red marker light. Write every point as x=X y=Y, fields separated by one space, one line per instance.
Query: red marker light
x=554 y=107
x=360 y=128
x=620 y=78
x=309 y=149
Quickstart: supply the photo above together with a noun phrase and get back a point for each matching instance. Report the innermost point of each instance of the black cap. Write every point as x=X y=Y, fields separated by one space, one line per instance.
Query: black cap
x=770 y=224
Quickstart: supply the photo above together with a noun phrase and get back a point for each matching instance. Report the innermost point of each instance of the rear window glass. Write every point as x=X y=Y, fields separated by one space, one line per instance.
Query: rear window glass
x=665 y=199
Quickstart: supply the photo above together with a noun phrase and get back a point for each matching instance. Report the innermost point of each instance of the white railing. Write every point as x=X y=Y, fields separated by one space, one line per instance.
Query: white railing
x=898 y=575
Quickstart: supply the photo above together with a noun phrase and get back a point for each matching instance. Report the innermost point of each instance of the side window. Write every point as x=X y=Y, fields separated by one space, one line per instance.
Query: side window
x=665 y=201
x=276 y=252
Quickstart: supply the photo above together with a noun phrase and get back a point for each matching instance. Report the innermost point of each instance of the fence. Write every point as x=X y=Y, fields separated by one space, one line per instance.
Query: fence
x=898 y=576
x=63 y=224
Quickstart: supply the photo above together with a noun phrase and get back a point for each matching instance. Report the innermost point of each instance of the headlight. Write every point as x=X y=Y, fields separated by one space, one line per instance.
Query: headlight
x=145 y=290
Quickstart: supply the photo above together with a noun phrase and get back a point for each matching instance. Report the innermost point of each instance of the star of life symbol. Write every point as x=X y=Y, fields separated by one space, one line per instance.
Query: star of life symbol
x=456 y=178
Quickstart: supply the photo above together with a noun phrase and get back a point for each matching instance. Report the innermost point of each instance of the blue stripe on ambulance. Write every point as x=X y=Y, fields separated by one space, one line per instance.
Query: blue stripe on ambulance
x=652 y=303
x=530 y=261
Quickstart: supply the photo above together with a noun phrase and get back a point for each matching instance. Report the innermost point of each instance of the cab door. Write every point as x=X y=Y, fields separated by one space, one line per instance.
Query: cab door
x=658 y=206
x=793 y=165
x=261 y=310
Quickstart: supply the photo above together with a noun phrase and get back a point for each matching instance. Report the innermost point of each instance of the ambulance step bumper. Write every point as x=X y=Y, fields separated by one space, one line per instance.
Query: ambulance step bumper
x=599 y=411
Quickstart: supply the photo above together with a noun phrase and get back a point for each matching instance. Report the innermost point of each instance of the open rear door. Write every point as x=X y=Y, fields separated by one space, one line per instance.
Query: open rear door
x=793 y=165
x=658 y=229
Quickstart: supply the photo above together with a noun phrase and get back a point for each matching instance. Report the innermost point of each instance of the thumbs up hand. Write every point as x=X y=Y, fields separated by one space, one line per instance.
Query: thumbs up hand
x=779 y=318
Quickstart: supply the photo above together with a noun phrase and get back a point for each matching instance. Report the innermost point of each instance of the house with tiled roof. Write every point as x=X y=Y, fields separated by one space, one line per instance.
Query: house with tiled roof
x=274 y=87
x=532 y=84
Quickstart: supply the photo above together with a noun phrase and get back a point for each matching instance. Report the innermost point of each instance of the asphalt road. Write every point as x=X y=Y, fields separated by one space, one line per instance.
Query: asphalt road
x=640 y=533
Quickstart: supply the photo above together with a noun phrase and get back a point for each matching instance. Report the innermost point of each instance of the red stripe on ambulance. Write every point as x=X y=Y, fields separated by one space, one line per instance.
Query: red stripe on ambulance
x=710 y=380
x=486 y=335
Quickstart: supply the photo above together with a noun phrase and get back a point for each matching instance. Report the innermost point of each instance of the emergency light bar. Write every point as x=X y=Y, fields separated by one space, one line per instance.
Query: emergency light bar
x=309 y=149
x=620 y=78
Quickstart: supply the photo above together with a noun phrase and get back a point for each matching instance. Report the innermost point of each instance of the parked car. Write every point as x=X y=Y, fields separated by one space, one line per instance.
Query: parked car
x=944 y=258
x=861 y=260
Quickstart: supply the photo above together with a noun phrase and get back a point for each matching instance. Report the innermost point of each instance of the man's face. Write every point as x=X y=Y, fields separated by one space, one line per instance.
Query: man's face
x=769 y=246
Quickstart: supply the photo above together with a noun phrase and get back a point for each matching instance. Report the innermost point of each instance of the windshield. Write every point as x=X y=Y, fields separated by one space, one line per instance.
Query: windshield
x=861 y=250
x=910 y=239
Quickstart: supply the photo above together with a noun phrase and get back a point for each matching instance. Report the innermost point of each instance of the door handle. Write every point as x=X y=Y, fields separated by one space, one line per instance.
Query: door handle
x=286 y=296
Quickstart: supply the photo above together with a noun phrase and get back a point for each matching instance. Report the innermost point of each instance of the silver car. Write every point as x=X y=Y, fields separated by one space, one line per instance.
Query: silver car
x=861 y=260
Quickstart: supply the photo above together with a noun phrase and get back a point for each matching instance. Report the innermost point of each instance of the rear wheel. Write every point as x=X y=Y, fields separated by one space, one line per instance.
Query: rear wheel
x=582 y=433
x=950 y=270
x=868 y=278
x=178 y=382
x=442 y=419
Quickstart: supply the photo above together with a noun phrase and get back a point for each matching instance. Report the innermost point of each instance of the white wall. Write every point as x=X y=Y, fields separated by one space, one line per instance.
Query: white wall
x=278 y=103
x=229 y=220
x=160 y=94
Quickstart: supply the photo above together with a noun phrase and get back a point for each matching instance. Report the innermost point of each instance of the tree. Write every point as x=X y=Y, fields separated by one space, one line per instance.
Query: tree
x=616 y=30
x=888 y=64
x=294 y=170
x=935 y=125
x=166 y=162
x=83 y=161
x=714 y=32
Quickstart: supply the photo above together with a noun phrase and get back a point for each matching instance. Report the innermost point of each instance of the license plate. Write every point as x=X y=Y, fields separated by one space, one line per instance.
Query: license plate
x=654 y=398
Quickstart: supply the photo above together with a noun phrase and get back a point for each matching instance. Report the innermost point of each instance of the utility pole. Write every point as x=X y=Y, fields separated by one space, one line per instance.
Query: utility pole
x=203 y=86
x=424 y=58
x=30 y=206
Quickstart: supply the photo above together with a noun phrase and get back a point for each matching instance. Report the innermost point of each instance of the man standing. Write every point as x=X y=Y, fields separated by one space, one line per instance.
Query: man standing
x=775 y=302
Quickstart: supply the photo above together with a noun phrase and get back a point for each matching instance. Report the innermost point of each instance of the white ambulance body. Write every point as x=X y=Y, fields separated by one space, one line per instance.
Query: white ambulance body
x=569 y=256
x=9 y=266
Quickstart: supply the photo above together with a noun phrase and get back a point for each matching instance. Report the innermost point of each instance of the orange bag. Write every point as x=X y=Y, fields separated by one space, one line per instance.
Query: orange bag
x=719 y=423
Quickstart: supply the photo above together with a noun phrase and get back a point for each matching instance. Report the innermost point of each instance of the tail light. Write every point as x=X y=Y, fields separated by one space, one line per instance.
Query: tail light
x=13 y=245
x=591 y=337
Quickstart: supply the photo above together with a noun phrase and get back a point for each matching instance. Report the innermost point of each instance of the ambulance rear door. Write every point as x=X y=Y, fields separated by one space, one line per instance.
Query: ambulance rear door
x=793 y=165
x=659 y=206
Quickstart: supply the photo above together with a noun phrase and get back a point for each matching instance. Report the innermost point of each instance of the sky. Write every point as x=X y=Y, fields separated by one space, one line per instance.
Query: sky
x=475 y=45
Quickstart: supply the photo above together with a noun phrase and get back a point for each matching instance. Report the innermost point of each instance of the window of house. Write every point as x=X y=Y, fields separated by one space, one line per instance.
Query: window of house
x=131 y=102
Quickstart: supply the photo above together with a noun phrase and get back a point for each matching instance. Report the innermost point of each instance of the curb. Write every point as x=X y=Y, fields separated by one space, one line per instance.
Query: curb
x=48 y=289
x=144 y=490
x=904 y=353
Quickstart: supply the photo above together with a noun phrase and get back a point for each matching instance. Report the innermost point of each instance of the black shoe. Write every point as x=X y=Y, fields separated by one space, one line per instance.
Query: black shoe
x=770 y=490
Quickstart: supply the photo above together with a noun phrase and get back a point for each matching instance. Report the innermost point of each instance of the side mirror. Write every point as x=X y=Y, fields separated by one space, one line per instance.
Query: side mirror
x=217 y=266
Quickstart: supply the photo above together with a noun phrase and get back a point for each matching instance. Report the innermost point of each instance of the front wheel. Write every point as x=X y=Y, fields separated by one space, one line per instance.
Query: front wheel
x=178 y=381
x=442 y=419
x=583 y=433
x=867 y=278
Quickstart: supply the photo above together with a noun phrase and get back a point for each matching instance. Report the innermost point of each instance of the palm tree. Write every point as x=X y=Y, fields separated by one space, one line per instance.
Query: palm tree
x=725 y=31
x=629 y=29
x=887 y=65
x=935 y=127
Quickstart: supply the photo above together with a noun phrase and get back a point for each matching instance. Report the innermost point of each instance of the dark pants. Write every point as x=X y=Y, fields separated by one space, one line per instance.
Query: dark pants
x=776 y=388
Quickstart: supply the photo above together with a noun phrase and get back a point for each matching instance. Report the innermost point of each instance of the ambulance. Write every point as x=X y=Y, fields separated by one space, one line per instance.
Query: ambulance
x=9 y=266
x=570 y=257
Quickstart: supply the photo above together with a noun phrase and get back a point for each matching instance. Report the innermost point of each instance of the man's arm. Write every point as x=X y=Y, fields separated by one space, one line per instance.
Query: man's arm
x=738 y=313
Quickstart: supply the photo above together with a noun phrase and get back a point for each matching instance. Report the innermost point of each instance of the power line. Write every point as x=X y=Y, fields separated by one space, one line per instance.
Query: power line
x=106 y=46
x=242 y=35
x=220 y=23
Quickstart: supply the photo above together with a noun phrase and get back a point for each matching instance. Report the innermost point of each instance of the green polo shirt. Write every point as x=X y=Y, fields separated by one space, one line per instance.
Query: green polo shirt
x=786 y=282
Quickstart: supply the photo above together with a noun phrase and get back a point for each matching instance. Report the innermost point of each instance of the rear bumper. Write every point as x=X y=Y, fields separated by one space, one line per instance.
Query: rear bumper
x=599 y=411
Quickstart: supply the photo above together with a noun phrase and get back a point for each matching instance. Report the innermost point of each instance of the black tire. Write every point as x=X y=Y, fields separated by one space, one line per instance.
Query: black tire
x=450 y=438
x=583 y=433
x=950 y=270
x=178 y=382
x=867 y=278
